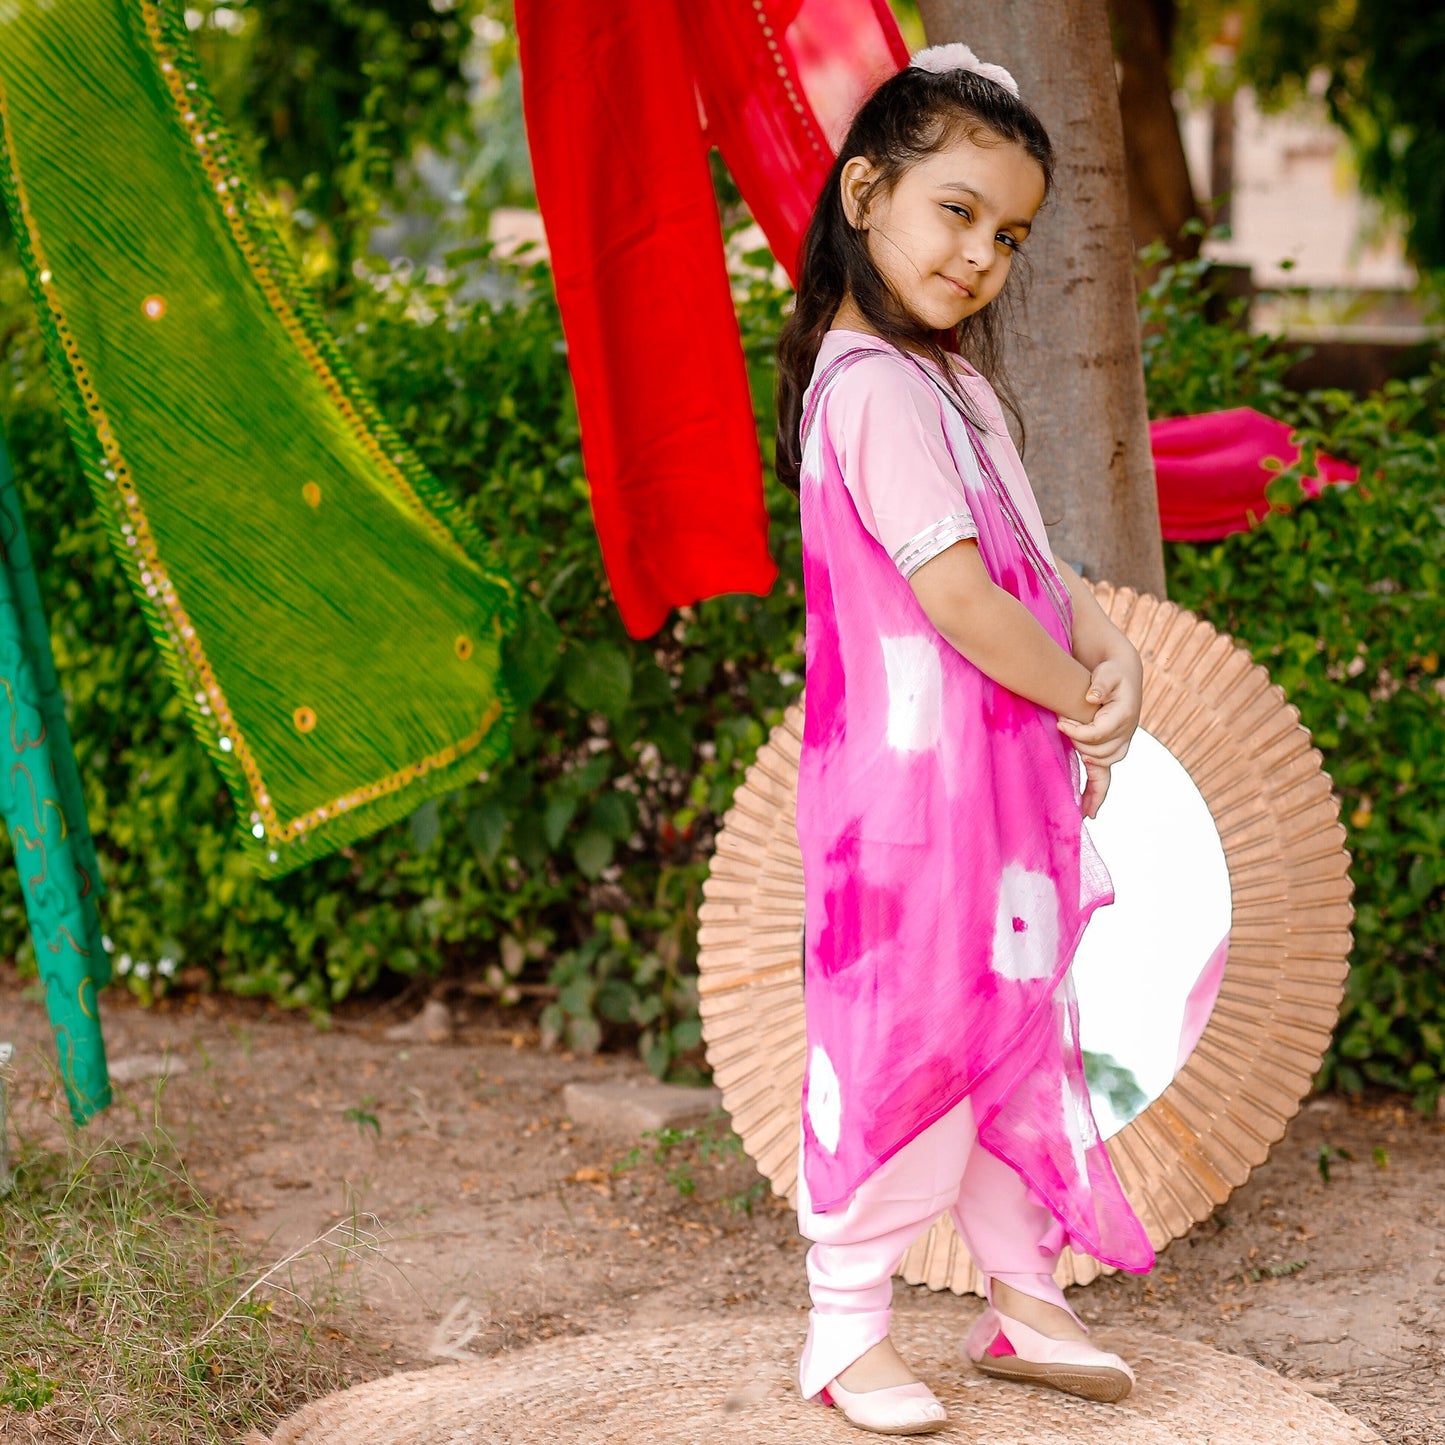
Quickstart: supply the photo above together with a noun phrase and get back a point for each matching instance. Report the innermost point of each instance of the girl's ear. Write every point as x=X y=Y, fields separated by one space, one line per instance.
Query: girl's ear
x=853 y=183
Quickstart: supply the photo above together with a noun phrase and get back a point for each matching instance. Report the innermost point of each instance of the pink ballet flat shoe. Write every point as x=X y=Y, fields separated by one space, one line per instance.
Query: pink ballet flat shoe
x=898 y=1410
x=1010 y=1350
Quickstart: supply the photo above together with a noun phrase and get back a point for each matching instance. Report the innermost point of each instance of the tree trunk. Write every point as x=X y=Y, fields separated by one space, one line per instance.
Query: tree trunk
x=1221 y=160
x=1077 y=363
x=1161 y=196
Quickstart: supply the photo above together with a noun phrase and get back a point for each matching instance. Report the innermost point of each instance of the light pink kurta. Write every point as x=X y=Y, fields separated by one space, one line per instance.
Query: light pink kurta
x=947 y=873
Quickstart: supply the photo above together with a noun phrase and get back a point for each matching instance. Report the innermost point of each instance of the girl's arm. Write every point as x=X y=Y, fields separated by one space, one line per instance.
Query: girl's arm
x=1117 y=673
x=1006 y=642
x=1096 y=639
x=999 y=635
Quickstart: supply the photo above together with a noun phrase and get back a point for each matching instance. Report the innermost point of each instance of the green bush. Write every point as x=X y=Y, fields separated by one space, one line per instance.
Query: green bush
x=576 y=870
x=574 y=874
x=1199 y=353
x=1340 y=598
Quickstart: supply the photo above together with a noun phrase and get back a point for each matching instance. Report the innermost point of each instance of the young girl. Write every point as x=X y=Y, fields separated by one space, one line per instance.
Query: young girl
x=959 y=676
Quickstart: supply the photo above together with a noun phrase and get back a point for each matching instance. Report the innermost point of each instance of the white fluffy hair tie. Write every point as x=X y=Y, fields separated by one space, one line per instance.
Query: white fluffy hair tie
x=942 y=58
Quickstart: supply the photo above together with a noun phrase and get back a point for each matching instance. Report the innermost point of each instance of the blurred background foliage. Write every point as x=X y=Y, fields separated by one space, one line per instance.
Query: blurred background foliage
x=387 y=135
x=1380 y=67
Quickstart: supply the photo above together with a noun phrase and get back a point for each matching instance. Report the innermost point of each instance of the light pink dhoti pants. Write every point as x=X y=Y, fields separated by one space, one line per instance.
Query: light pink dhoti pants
x=1008 y=1231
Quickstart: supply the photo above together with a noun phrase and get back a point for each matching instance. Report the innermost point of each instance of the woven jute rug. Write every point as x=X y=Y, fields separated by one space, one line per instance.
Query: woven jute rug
x=719 y=1383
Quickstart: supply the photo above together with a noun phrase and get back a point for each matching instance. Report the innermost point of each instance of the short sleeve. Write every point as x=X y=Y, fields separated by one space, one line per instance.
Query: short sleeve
x=886 y=427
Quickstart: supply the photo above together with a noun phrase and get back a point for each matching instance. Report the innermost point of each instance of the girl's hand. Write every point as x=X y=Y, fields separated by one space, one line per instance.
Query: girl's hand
x=1116 y=689
x=1096 y=788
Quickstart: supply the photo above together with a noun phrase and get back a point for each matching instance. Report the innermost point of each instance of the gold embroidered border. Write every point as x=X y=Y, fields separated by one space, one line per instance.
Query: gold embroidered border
x=159 y=587
x=805 y=118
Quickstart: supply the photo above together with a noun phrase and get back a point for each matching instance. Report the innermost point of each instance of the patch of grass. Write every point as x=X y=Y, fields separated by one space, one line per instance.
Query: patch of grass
x=1280 y=1270
x=128 y=1313
x=677 y=1150
x=362 y=1116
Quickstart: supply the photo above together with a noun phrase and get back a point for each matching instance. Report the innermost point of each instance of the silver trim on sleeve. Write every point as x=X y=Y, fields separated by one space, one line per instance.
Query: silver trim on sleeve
x=933 y=539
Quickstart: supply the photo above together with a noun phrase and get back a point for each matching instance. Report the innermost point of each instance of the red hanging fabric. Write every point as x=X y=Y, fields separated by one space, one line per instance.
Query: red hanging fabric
x=1211 y=473
x=780 y=82
x=612 y=94
x=668 y=435
x=666 y=419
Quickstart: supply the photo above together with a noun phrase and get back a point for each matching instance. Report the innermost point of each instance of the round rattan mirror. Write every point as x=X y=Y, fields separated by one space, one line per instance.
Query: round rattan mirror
x=1245 y=1041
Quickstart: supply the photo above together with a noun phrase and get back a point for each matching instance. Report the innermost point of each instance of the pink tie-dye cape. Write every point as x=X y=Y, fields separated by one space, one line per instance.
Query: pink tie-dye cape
x=947 y=872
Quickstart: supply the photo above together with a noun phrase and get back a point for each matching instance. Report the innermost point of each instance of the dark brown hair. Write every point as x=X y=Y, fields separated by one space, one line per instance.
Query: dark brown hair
x=911 y=116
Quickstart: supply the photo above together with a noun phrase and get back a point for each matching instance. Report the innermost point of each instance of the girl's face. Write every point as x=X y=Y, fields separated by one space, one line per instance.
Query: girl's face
x=945 y=236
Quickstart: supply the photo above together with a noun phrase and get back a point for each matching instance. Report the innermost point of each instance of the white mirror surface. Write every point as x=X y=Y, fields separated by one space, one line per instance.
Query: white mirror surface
x=1148 y=969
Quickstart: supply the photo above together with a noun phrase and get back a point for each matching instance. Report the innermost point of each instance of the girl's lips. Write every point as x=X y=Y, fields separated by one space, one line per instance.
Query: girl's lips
x=959 y=286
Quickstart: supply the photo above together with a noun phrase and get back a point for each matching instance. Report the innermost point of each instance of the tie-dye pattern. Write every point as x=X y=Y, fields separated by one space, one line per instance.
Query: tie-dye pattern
x=948 y=875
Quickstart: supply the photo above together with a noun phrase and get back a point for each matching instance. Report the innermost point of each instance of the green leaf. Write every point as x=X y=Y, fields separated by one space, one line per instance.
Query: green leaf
x=426 y=825
x=651 y=686
x=657 y=1054
x=614 y=814
x=616 y=1001
x=674 y=739
x=531 y=654
x=697 y=672
x=529 y=840
x=583 y=1035
x=592 y=850
x=589 y=777
x=1421 y=879
x=556 y=819
x=646 y=1009
x=486 y=829
x=598 y=678
x=575 y=998
x=687 y=1035
x=553 y=1021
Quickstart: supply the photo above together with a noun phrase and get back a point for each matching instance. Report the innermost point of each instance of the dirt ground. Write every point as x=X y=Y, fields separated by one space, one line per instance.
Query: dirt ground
x=501 y=1223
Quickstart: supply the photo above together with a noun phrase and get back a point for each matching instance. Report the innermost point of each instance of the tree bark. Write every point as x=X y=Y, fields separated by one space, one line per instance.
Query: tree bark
x=1076 y=363
x=1221 y=160
x=1161 y=195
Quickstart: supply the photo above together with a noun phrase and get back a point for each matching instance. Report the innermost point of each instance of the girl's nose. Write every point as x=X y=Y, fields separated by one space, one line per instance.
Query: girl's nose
x=978 y=251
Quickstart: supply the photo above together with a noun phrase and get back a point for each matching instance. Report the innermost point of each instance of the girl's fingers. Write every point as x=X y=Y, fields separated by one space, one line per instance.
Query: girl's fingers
x=1091 y=734
x=1103 y=760
x=1109 y=724
x=1095 y=791
x=1105 y=753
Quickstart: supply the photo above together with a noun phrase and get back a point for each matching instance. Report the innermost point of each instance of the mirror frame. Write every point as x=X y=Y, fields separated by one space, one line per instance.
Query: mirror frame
x=1242 y=743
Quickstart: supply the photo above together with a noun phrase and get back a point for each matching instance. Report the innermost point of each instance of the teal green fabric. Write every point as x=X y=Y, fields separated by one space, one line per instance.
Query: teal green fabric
x=335 y=626
x=40 y=799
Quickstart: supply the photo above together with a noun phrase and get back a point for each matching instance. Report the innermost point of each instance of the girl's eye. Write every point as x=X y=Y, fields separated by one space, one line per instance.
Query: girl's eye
x=964 y=214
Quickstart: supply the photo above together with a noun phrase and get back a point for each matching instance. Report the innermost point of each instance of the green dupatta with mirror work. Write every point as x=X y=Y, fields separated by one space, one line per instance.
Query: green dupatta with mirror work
x=340 y=636
x=334 y=624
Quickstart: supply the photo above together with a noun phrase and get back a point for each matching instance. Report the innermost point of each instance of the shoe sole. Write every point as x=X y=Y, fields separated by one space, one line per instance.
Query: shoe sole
x=928 y=1427
x=925 y=1427
x=1101 y=1383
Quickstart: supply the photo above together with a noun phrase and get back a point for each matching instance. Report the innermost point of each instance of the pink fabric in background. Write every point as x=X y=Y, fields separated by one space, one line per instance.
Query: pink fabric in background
x=1200 y=1003
x=780 y=82
x=1211 y=474
x=948 y=875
